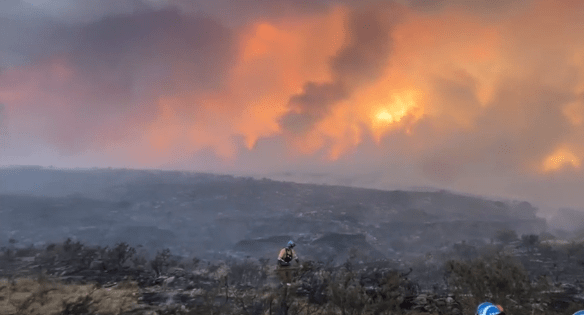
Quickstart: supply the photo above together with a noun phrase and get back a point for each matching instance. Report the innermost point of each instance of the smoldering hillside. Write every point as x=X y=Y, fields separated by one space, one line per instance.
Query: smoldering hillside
x=207 y=215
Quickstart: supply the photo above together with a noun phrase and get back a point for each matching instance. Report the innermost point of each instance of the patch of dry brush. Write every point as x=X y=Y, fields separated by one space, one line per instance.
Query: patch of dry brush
x=45 y=296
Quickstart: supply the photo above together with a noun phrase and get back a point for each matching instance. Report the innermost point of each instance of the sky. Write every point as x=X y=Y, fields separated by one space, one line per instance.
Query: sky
x=484 y=98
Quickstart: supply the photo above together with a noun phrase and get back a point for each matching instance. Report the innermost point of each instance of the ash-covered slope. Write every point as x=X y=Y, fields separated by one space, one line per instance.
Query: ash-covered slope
x=204 y=214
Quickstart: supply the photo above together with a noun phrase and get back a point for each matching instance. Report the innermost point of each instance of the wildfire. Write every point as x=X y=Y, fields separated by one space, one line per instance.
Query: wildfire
x=401 y=105
x=385 y=117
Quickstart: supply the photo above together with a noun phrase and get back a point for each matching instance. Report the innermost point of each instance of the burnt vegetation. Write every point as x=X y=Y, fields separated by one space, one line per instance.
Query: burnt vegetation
x=147 y=242
x=71 y=278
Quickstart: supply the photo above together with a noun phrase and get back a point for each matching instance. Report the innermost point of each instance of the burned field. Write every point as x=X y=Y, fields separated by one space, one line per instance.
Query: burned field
x=174 y=243
x=70 y=278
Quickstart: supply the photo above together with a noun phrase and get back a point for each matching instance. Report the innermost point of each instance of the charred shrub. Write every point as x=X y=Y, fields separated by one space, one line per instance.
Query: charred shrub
x=72 y=251
x=393 y=289
x=346 y=293
x=246 y=273
x=499 y=278
x=117 y=256
x=313 y=284
x=161 y=262
x=72 y=247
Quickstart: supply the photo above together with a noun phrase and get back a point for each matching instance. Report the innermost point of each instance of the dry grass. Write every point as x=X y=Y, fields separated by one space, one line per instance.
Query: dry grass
x=45 y=296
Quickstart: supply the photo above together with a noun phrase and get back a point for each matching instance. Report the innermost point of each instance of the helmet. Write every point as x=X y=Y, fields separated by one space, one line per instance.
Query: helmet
x=291 y=244
x=491 y=310
x=581 y=312
x=482 y=307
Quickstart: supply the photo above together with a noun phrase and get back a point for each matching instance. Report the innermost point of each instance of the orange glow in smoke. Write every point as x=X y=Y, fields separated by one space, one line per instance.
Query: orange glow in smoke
x=341 y=130
x=165 y=130
x=387 y=115
x=560 y=159
x=452 y=42
x=275 y=59
x=446 y=67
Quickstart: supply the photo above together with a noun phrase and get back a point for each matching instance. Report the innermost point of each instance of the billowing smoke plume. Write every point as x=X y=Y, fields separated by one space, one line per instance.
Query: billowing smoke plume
x=362 y=60
x=484 y=97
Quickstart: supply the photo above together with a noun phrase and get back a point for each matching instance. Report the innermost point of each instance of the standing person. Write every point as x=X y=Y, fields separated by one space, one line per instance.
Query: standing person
x=287 y=254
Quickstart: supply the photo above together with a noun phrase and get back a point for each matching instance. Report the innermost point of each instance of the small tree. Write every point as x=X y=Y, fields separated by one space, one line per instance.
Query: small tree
x=72 y=250
x=117 y=256
x=160 y=262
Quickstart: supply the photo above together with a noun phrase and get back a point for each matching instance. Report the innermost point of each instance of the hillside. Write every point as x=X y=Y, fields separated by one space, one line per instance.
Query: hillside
x=207 y=215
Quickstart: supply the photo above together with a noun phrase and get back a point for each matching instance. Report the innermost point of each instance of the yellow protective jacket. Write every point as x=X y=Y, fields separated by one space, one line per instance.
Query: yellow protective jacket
x=286 y=255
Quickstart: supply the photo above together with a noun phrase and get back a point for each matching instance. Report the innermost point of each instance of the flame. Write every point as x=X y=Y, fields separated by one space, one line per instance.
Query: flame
x=559 y=159
x=397 y=109
x=344 y=128
x=386 y=116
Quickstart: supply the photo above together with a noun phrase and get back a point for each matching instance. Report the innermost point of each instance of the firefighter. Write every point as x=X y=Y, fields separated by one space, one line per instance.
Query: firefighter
x=287 y=254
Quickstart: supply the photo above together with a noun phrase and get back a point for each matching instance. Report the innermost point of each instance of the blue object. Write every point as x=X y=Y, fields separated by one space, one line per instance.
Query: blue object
x=579 y=312
x=490 y=310
x=291 y=244
x=482 y=307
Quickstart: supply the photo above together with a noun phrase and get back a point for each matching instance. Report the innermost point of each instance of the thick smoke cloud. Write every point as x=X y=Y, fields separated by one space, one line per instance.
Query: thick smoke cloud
x=362 y=60
x=313 y=105
x=195 y=49
x=484 y=97
x=85 y=81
